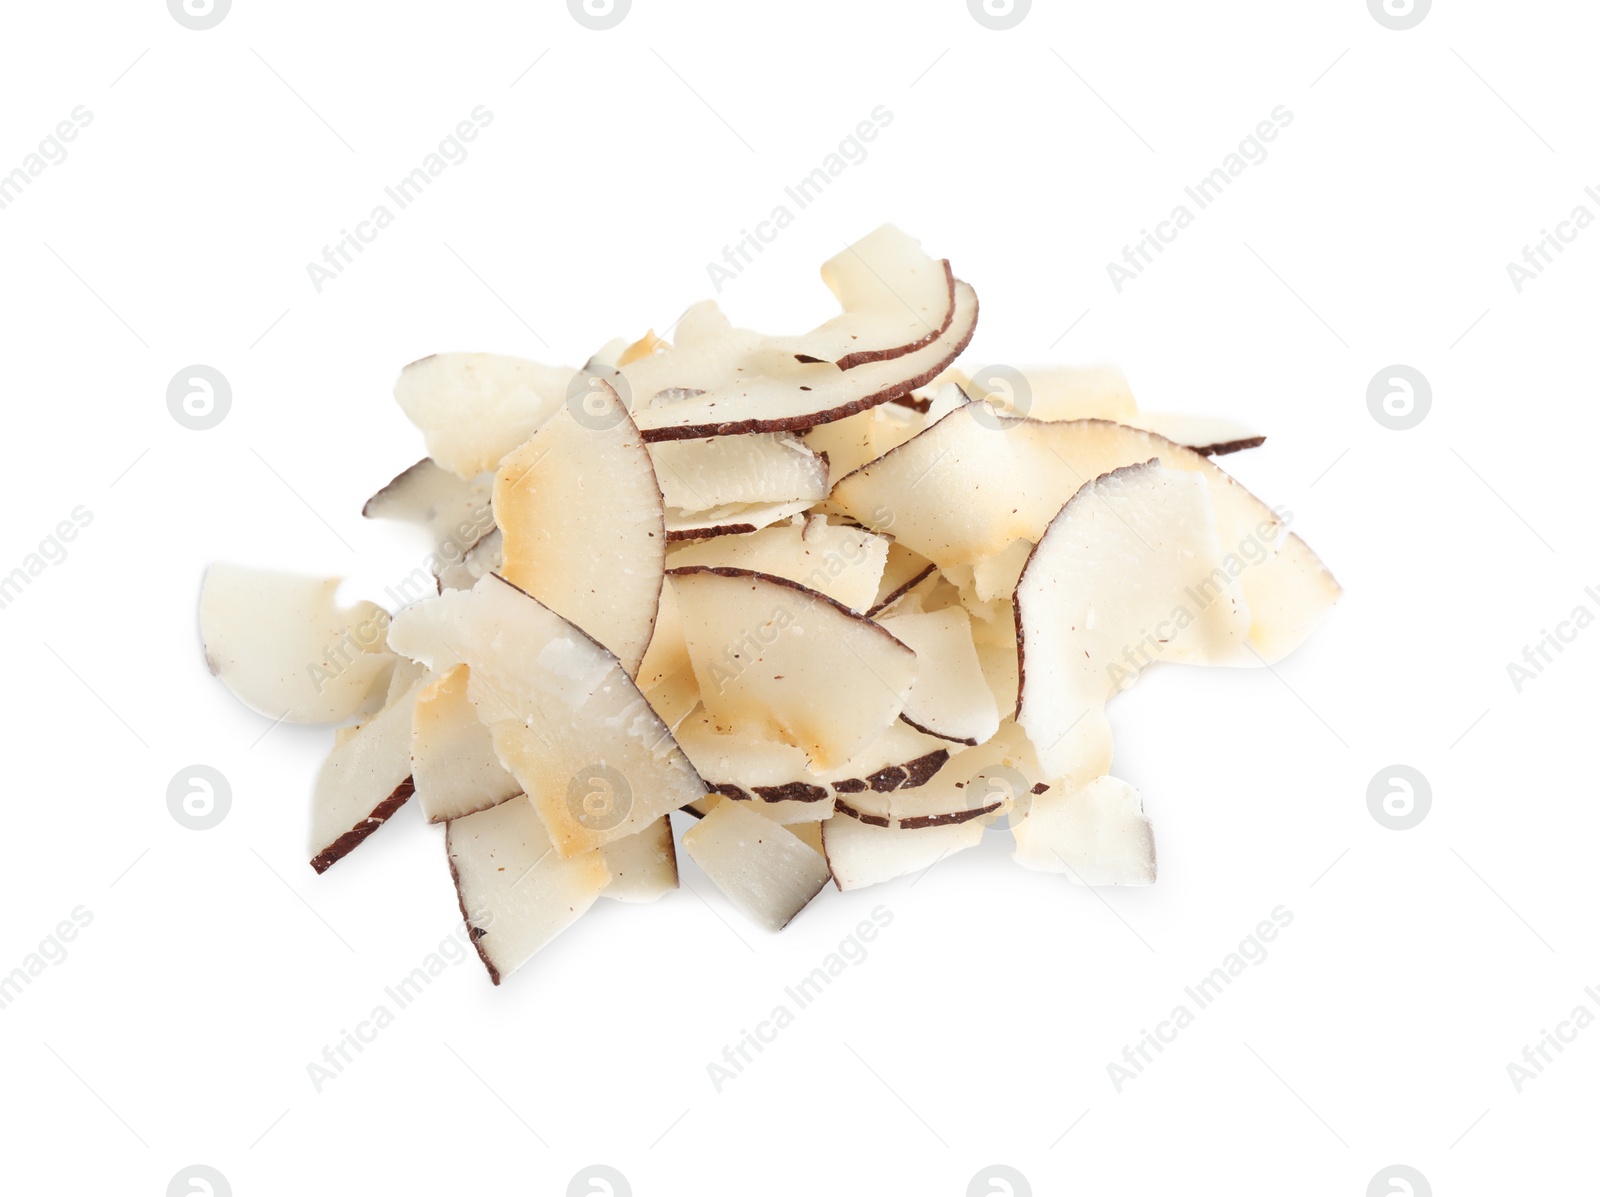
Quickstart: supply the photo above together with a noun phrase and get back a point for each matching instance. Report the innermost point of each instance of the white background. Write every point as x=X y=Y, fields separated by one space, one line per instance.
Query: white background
x=1377 y=231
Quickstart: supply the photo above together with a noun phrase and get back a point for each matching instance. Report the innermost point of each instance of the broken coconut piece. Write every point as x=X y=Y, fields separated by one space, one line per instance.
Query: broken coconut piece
x=763 y=868
x=1127 y=574
x=777 y=659
x=516 y=894
x=568 y=723
x=1096 y=834
x=803 y=396
x=643 y=865
x=454 y=768
x=948 y=699
x=860 y=854
x=364 y=780
x=285 y=647
x=583 y=526
x=474 y=408
x=842 y=561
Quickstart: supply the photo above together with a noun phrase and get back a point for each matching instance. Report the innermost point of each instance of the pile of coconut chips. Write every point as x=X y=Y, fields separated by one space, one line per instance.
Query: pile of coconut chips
x=843 y=603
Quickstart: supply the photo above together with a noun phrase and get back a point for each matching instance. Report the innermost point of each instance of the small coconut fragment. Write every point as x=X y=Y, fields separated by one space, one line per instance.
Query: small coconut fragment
x=363 y=781
x=763 y=868
x=644 y=865
x=285 y=647
x=949 y=698
x=1097 y=834
x=474 y=408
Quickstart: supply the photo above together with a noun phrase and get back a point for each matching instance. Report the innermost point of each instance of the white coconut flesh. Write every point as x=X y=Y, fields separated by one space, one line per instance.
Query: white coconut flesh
x=1097 y=834
x=287 y=649
x=764 y=869
x=454 y=768
x=515 y=891
x=474 y=408
x=777 y=658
